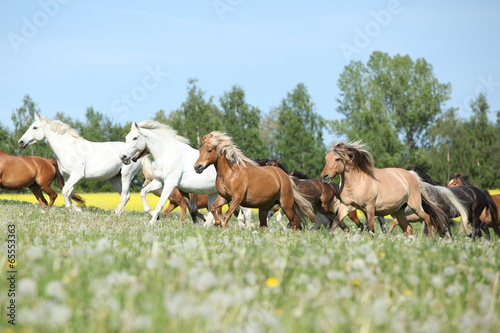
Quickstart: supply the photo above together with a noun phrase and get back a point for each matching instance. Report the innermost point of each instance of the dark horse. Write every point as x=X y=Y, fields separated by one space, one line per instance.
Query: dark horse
x=33 y=172
x=459 y=179
x=323 y=197
x=475 y=200
x=443 y=197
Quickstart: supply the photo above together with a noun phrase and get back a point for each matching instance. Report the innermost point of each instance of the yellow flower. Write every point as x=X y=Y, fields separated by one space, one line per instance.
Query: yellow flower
x=407 y=292
x=67 y=279
x=381 y=254
x=355 y=282
x=279 y=312
x=272 y=282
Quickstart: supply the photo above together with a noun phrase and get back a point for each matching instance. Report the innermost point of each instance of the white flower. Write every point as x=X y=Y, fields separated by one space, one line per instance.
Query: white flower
x=55 y=289
x=103 y=244
x=449 y=270
x=27 y=287
x=358 y=264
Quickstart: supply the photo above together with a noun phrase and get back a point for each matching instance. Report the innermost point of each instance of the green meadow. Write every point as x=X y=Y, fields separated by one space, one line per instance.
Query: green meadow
x=94 y=272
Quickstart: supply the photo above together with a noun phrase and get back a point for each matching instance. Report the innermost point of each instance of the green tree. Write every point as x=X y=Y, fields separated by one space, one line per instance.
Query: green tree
x=5 y=138
x=392 y=101
x=241 y=121
x=196 y=115
x=300 y=133
x=269 y=130
x=22 y=118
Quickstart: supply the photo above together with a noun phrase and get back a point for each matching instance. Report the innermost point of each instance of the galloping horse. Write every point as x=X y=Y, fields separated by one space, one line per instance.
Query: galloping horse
x=487 y=216
x=33 y=172
x=240 y=180
x=445 y=198
x=81 y=159
x=313 y=189
x=378 y=191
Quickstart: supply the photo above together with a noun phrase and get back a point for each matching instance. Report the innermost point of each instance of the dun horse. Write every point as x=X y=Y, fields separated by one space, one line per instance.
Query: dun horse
x=240 y=180
x=33 y=172
x=378 y=191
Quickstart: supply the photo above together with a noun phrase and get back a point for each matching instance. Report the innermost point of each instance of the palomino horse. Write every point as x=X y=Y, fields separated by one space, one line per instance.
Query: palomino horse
x=185 y=200
x=33 y=172
x=450 y=204
x=240 y=180
x=487 y=214
x=173 y=163
x=378 y=191
x=81 y=159
x=318 y=193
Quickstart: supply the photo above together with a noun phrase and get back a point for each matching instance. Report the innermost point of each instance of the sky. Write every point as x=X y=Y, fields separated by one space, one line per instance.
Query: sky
x=129 y=59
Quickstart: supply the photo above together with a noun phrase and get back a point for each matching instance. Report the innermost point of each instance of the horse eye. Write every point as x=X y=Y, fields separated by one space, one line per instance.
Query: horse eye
x=34 y=127
x=135 y=138
x=210 y=151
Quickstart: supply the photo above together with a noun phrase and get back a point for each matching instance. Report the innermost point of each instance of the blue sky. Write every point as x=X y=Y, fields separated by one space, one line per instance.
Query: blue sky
x=129 y=59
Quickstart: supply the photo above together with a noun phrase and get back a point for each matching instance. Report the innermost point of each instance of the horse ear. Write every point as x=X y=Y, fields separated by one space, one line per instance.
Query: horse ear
x=202 y=137
x=38 y=116
x=278 y=160
x=135 y=126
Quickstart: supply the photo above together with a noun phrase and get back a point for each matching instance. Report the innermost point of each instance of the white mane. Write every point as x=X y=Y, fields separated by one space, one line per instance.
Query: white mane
x=59 y=127
x=165 y=129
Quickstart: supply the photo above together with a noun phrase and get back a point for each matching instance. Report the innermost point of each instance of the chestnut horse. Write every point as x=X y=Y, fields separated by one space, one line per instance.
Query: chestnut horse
x=378 y=191
x=33 y=172
x=487 y=215
x=241 y=181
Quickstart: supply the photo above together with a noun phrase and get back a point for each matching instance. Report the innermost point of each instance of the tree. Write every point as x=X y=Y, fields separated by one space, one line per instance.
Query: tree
x=390 y=103
x=300 y=133
x=22 y=118
x=269 y=130
x=241 y=121
x=196 y=116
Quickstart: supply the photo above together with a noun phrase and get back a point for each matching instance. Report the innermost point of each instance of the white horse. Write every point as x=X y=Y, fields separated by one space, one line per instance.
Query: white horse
x=173 y=163
x=81 y=159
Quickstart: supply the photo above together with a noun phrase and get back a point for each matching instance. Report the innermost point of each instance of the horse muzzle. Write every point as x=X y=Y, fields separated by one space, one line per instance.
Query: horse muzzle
x=125 y=159
x=327 y=179
x=199 y=168
x=23 y=144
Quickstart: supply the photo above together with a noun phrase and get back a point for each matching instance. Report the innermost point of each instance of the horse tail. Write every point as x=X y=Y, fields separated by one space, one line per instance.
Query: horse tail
x=147 y=168
x=302 y=208
x=492 y=209
x=439 y=219
x=60 y=181
x=454 y=202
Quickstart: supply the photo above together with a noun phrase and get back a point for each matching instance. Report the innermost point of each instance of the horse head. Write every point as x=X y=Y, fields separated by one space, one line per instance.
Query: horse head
x=135 y=145
x=33 y=134
x=208 y=154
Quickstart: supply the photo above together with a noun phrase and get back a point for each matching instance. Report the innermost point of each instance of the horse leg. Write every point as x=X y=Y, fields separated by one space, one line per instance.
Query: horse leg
x=403 y=222
x=486 y=230
x=393 y=224
x=167 y=190
x=37 y=191
x=233 y=206
x=51 y=193
x=354 y=217
x=67 y=190
x=263 y=218
x=381 y=221
x=342 y=212
x=370 y=218
x=214 y=209
x=171 y=206
x=152 y=186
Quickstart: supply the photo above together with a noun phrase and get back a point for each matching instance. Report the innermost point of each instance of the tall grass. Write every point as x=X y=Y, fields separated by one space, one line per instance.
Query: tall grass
x=93 y=272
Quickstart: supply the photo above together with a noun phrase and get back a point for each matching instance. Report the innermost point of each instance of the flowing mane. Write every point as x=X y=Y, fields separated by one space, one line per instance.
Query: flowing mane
x=425 y=177
x=224 y=145
x=165 y=129
x=355 y=152
x=59 y=127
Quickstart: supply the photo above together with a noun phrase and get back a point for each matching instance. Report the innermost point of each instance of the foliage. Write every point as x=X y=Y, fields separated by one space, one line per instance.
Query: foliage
x=300 y=133
x=390 y=103
x=93 y=272
x=241 y=121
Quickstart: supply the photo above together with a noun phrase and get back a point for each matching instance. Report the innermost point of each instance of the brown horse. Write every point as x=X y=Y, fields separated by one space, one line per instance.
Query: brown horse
x=459 y=179
x=241 y=181
x=33 y=172
x=378 y=191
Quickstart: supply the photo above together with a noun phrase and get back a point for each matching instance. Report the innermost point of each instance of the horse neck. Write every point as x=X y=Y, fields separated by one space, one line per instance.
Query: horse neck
x=350 y=179
x=158 y=144
x=222 y=167
x=59 y=142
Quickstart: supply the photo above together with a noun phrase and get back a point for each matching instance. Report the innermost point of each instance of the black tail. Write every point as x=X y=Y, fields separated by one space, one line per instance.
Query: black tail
x=192 y=204
x=60 y=181
x=439 y=219
x=492 y=209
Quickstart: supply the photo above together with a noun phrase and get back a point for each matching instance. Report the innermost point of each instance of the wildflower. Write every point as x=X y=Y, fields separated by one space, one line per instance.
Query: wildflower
x=27 y=287
x=407 y=292
x=381 y=254
x=55 y=289
x=272 y=282
x=355 y=282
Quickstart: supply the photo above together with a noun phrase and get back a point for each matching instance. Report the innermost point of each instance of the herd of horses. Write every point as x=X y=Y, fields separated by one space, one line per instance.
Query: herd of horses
x=219 y=173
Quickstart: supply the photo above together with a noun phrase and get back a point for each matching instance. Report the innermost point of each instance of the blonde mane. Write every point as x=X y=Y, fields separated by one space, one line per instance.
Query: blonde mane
x=224 y=145
x=59 y=127
x=356 y=153
x=165 y=129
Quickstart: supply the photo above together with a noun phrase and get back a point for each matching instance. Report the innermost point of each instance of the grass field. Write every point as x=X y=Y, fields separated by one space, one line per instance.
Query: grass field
x=94 y=272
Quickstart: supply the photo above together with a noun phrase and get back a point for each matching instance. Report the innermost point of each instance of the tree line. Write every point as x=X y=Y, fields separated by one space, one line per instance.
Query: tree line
x=394 y=104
